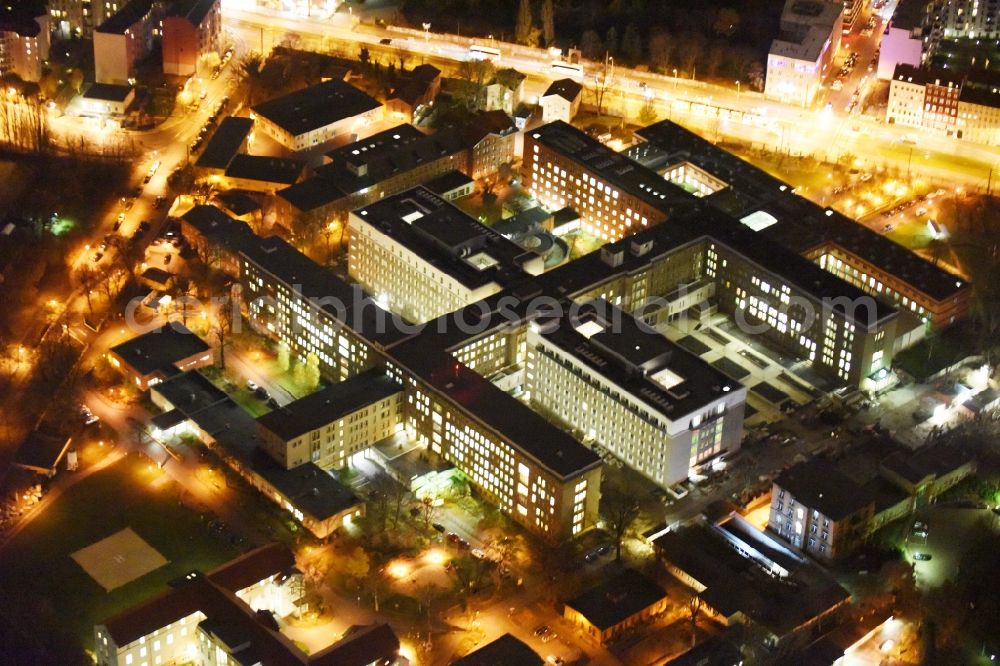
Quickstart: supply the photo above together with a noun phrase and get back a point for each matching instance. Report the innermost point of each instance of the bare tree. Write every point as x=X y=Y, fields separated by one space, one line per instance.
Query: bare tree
x=619 y=510
x=694 y=606
x=548 y=23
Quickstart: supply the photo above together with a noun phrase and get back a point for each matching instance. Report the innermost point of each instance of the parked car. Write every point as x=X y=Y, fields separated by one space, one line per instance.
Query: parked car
x=922 y=557
x=252 y=385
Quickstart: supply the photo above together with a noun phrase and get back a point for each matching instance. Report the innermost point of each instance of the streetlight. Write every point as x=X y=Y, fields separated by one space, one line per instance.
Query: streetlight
x=675 y=78
x=737 y=89
x=427 y=28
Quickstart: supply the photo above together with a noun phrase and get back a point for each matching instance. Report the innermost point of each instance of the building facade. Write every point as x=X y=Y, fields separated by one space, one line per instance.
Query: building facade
x=24 y=42
x=421 y=257
x=659 y=409
x=123 y=39
x=315 y=115
x=946 y=102
x=800 y=58
x=191 y=35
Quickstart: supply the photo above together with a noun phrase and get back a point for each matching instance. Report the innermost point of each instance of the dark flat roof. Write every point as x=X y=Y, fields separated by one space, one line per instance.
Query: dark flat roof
x=448 y=181
x=279 y=170
x=126 y=17
x=160 y=348
x=329 y=404
x=929 y=461
x=819 y=484
x=617 y=599
x=316 y=106
x=737 y=584
x=20 y=17
x=108 y=92
x=360 y=646
x=504 y=651
x=629 y=354
x=445 y=237
x=238 y=202
x=225 y=143
x=801 y=224
x=612 y=167
x=210 y=221
x=367 y=162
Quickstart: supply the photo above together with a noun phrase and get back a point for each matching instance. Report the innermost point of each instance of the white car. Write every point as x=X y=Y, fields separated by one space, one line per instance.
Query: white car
x=252 y=385
x=837 y=85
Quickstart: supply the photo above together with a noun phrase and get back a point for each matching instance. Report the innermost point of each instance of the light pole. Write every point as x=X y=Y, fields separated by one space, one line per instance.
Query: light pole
x=737 y=90
x=427 y=28
x=675 y=78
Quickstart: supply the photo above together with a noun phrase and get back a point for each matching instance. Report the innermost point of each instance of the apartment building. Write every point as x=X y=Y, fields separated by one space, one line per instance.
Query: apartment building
x=367 y=170
x=806 y=46
x=416 y=90
x=853 y=10
x=902 y=41
x=331 y=425
x=24 y=40
x=490 y=138
x=979 y=112
x=422 y=257
x=966 y=106
x=315 y=115
x=822 y=510
x=124 y=38
x=818 y=509
x=561 y=101
x=960 y=19
x=191 y=31
x=620 y=383
x=927 y=295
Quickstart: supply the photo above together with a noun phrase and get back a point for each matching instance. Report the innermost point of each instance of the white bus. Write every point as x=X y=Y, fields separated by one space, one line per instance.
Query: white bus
x=563 y=68
x=479 y=52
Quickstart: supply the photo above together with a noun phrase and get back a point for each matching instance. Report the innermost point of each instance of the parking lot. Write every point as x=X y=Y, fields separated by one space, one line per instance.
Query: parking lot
x=950 y=532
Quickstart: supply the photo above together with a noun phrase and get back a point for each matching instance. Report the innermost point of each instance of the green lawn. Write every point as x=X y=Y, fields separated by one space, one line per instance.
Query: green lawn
x=37 y=571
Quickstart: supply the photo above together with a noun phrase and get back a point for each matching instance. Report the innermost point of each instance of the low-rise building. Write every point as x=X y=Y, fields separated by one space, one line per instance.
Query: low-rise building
x=193 y=405
x=490 y=137
x=230 y=616
x=745 y=576
x=176 y=625
x=229 y=140
x=315 y=115
x=162 y=353
x=123 y=39
x=561 y=101
x=24 y=40
x=261 y=173
x=191 y=31
x=504 y=651
x=365 y=171
x=331 y=425
x=414 y=90
x=107 y=99
x=216 y=237
x=802 y=54
x=822 y=510
x=451 y=185
x=504 y=92
x=819 y=510
x=422 y=257
x=615 y=606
